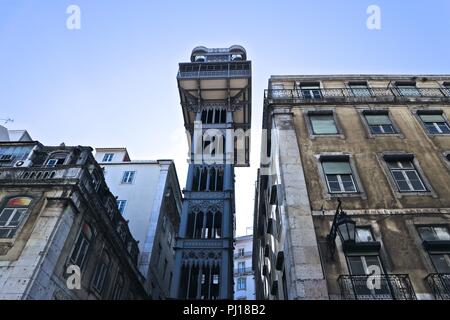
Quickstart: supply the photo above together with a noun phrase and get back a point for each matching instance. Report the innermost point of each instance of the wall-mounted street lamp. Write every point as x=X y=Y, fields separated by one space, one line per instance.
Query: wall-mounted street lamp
x=343 y=225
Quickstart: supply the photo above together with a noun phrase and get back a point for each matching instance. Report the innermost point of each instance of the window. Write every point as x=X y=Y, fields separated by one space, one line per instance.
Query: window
x=13 y=215
x=435 y=122
x=121 y=205
x=204 y=225
x=81 y=247
x=56 y=159
x=9 y=155
x=208 y=179
x=101 y=272
x=339 y=176
x=108 y=157
x=360 y=89
x=241 y=252
x=311 y=91
x=441 y=260
x=214 y=115
x=364 y=234
x=379 y=123
x=360 y=268
x=118 y=288
x=408 y=89
x=434 y=233
x=323 y=123
x=405 y=175
x=241 y=266
x=128 y=177
x=242 y=284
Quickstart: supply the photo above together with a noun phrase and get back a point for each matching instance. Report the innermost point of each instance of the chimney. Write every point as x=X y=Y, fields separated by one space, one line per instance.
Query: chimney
x=4 y=135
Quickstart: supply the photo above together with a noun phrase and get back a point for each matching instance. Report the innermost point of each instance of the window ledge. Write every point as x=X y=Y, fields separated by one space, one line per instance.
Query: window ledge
x=348 y=195
x=401 y=194
x=436 y=245
x=321 y=136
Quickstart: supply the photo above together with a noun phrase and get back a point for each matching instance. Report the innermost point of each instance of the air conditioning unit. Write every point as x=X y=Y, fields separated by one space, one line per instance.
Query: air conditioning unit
x=22 y=163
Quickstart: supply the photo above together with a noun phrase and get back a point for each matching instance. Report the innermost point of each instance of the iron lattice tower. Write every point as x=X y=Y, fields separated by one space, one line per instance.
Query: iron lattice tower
x=215 y=94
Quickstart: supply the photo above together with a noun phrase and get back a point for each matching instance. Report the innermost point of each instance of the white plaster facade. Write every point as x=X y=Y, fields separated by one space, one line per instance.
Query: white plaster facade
x=244 y=280
x=151 y=202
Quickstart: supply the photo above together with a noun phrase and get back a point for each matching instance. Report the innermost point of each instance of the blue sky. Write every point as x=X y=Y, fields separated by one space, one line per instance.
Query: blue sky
x=112 y=83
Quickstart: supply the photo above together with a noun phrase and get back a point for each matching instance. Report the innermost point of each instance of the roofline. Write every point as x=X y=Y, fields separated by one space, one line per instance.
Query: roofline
x=374 y=76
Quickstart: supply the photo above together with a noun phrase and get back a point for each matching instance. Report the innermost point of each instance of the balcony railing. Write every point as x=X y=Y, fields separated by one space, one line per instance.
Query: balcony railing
x=376 y=287
x=37 y=174
x=243 y=271
x=214 y=74
x=440 y=285
x=242 y=256
x=391 y=94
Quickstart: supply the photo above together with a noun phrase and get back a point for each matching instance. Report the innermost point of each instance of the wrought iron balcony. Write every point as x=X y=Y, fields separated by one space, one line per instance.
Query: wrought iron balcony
x=348 y=95
x=242 y=271
x=440 y=285
x=242 y=256
x=376 y=287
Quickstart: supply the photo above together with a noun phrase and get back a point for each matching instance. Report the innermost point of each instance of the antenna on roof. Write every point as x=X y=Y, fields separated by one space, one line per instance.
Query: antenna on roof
x=7 y=120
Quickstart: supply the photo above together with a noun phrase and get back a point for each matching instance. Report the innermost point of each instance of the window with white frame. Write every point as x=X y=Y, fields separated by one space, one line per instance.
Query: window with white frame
x=242 y=283
x=101 y=273
x=13 y=215
x=128 y=177
x=379 y=123
x=121 y=205
x=241 y=252
x=241 y=266
x=405 y=175
x=108 y=157
x=339 y=176
x=323 y=123
x=81 y=247
x=434 y=122
x=408 y=89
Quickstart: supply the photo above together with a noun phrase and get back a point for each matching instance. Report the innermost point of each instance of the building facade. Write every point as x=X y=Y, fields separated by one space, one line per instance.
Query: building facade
x=149 y=198
x=215 y=93
x=61 y=234
x=244 y=280
x=381 y=145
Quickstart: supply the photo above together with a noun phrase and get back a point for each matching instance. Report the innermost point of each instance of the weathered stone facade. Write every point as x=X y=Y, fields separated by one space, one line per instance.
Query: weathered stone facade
x=392 y=208
x=49 y=198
